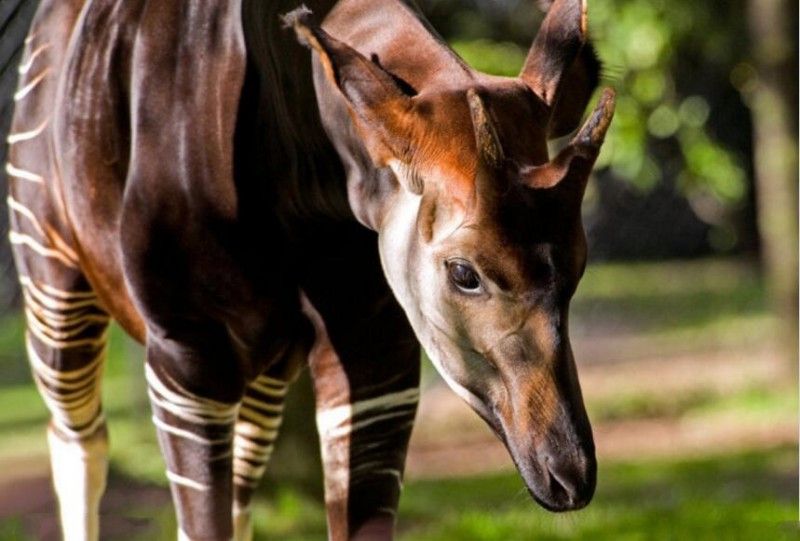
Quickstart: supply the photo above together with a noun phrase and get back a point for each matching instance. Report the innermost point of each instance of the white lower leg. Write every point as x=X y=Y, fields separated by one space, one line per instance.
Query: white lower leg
x=79 y=470
x=242 y=524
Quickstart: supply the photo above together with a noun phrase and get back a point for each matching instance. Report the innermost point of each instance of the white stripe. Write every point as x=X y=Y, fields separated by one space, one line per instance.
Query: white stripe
x=18 y=207
x=186 y=433
x=25 y=90
x=78 y=434
x=204 y=406
x=62 y=331
x=24 y=68
x=248 y=429
x=41 y=290
x=266 y=380
x=187 y=414
x=23 y=174
x=185 y=481
x=58 y=376
x=332 y=418
x=26 y=135
x=43 y=334
x=268 y=391
x=266 y=406
x=388 y=510
x=261 y=455
x=30 y=242
x=263 y=420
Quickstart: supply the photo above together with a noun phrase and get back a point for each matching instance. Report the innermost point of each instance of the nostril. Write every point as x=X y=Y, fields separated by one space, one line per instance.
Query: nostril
x=570 y=480
x=560 y=483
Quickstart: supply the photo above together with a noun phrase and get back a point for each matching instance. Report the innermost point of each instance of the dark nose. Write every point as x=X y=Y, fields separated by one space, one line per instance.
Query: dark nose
x=571 y=476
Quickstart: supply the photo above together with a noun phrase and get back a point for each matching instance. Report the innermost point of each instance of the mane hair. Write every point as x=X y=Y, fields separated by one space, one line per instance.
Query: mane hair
x=279 y=134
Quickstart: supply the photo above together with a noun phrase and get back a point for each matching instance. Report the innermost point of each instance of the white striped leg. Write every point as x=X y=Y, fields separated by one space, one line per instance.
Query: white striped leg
x=195 y=435
x=363 y=450
x=66 y=343
x=257 y=428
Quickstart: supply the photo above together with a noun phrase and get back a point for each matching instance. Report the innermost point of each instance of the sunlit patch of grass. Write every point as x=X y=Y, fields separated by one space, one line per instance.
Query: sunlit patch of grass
x=719 y=302
x=743 y=496
x=750 y=403
x=289 y=515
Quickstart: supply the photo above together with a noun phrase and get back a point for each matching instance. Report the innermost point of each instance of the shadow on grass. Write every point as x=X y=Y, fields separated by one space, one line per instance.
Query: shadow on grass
x=130 y=511
x=743 y=496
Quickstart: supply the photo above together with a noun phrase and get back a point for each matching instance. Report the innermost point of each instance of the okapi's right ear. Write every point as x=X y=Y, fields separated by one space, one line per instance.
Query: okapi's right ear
x=379 y=105
x=561 y=67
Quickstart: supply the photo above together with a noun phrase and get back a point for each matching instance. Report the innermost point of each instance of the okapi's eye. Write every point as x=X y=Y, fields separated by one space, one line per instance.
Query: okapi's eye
x=464 y=276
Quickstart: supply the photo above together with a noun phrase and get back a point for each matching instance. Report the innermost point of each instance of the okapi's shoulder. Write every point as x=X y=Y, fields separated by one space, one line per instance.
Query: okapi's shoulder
x=187 y=71
x=144 y=127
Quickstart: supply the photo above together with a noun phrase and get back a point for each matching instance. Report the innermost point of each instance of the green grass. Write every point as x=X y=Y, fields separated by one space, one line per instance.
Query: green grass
x=706 y=303
x=741 y=496
x=755 y=403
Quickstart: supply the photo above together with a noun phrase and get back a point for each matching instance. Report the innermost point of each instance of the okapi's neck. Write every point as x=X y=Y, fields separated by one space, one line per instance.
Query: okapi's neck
x=284 y=161
x=303 y=171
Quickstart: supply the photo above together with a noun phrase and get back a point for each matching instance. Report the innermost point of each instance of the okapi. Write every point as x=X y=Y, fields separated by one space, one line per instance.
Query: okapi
x=169 y=169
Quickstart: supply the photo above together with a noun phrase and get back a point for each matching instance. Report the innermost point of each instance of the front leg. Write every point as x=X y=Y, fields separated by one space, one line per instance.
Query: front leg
x=195 y=420
x=366 y=402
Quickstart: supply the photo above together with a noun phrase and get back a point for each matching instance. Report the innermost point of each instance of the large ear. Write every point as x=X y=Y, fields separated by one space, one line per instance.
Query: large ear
x=561 y=68
x=378 y=104
x=570 y=169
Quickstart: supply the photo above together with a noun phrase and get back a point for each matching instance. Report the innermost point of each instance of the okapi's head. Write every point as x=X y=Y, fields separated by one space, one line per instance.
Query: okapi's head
x=482 y=242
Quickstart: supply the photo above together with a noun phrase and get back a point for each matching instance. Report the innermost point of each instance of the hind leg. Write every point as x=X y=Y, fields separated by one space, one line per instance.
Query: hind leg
x=66 y=344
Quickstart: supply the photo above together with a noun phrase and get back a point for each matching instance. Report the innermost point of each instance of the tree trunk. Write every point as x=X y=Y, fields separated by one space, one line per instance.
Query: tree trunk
x=773 y=102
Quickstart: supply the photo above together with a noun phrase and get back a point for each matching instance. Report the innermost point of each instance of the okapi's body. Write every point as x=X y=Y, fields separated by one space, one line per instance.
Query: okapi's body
x=168 y=170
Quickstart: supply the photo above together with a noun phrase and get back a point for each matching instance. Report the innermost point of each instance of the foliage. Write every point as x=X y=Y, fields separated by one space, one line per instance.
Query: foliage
x=677 y=67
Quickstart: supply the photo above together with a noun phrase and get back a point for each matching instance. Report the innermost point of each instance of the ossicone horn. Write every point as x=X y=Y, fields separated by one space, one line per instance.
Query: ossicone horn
x=576 y=160
x=486 y=139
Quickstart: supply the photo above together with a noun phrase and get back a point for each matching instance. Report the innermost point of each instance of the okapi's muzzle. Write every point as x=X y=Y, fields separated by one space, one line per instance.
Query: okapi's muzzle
x=542 y=420
x=560 y=471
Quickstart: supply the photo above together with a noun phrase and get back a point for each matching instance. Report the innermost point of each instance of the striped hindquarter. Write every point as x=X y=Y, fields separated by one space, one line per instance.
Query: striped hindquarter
x=66 y=322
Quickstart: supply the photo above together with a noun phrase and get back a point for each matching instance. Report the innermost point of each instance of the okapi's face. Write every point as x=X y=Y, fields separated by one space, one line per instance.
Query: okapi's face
x=482 y=243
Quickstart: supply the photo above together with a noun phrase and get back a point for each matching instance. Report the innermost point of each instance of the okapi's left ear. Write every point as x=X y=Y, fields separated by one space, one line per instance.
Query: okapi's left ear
x=561 y=67
x=374 y=98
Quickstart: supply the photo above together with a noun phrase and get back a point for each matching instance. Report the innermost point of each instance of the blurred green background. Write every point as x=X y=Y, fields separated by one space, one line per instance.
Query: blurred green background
x=684 y=327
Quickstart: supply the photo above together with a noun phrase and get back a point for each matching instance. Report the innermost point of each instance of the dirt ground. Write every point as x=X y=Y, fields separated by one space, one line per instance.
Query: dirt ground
x=470 y=448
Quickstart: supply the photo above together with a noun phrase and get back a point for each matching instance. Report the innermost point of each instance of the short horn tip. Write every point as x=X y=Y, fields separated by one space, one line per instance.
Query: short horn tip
x=594 y=129
x=300 y=19
x=299 y=15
